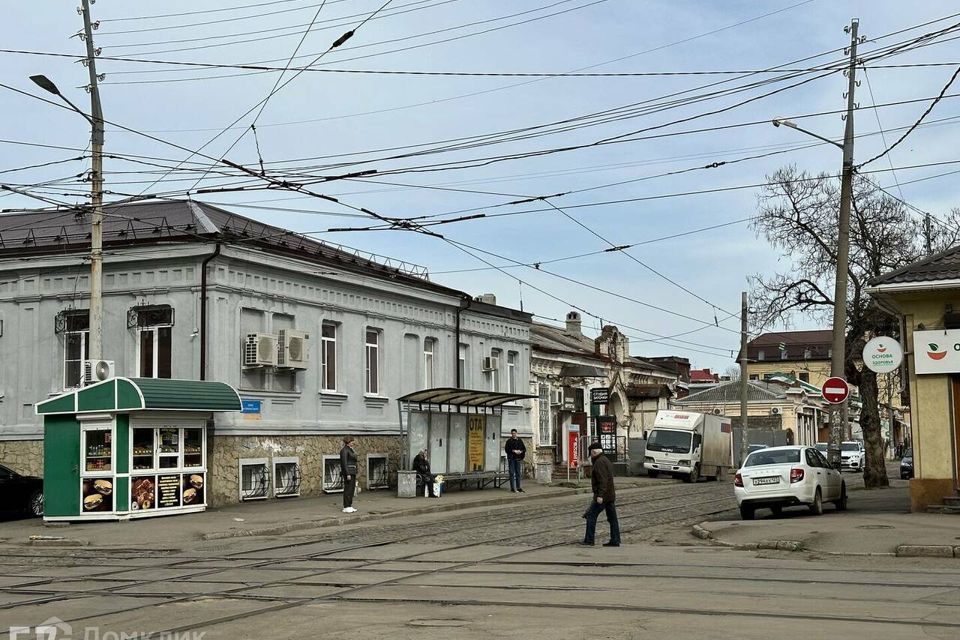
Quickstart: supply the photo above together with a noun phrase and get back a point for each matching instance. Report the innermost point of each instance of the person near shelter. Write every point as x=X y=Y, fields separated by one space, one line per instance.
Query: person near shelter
x=348 y=471
x=604 y=498
x=516 y=451
x=421 y=464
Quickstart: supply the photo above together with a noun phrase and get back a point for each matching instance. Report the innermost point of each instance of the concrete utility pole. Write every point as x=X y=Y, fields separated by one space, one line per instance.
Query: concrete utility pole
x=744 y=378
x=96 y=194
x=838 y=356
x=926 y=232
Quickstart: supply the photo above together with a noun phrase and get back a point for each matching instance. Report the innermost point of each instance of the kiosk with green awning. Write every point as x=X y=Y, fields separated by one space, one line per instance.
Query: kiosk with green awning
x=129 y=447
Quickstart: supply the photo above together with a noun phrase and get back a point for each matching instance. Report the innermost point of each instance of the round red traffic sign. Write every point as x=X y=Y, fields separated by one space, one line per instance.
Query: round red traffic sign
x=835 y=390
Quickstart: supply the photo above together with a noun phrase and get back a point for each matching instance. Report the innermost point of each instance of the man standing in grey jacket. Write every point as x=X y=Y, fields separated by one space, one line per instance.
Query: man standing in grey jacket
x=604 y=498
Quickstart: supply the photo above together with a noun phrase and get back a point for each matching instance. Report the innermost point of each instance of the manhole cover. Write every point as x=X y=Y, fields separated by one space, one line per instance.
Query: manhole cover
x=438 y=623
x=875 y=526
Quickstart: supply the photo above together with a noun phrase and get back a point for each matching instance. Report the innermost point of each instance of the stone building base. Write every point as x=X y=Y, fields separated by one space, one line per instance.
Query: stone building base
x=23 y=456
x=226 y=451
x=929 y=491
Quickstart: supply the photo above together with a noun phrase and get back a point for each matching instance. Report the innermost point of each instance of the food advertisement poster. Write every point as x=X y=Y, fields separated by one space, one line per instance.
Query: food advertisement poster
x=192 y=488
x=168 y=491
x=97 y=495
x=476 y=425
x=143 y=493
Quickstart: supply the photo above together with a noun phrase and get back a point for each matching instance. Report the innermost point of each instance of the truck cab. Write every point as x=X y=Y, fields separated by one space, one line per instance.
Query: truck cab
x=687 y=445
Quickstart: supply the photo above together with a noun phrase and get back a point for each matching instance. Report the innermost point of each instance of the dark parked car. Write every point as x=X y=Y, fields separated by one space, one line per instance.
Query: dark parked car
x=20 y=494
x=906 y=465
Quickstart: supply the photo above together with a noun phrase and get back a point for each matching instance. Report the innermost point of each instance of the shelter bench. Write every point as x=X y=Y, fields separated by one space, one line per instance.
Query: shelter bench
x=483 y=478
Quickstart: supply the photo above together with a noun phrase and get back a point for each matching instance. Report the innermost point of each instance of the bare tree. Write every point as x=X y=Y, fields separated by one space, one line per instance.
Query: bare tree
x=797 y=214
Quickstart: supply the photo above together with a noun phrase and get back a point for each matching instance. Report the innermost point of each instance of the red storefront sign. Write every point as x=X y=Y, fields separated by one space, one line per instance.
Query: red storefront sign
x=574 y=457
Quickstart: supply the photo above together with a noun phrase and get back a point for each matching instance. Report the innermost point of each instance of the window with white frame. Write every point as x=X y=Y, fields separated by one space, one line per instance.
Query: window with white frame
x=512 y=371
x=373 y=361
x=75 y=326
x=429 y=344
x=328 y=356
x=545 y=428
x=495 y=355
x=154 y=326
x=462 y=366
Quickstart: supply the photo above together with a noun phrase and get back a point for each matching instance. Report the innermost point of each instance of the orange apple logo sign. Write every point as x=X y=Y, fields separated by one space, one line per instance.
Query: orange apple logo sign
x=935 y=353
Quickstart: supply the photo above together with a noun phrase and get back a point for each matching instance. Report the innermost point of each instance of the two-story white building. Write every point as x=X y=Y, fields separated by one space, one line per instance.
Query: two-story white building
x=319 y=340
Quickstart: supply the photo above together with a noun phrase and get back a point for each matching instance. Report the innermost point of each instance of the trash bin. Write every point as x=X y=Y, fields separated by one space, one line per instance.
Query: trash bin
x=406 y=484
x=544 y=472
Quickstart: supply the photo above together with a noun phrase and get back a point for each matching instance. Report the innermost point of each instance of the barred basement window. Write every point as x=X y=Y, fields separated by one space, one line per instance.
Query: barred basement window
x=254 y=479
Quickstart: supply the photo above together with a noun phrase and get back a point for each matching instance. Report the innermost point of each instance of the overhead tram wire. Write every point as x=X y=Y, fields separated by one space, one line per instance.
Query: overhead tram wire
x=339 y=41
x=205 y=11
x=222 y=20
x=411 y=37
x=264 y=102
x=341 y=22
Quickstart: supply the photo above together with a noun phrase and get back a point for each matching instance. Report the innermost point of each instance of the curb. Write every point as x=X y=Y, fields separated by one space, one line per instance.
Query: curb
x=55 y=541
x=332 y=521
x=782 y=545
x=927 y=551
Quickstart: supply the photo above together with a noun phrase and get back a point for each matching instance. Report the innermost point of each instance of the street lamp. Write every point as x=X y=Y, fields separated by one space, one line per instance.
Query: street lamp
x=96 y=201
x=837 y=358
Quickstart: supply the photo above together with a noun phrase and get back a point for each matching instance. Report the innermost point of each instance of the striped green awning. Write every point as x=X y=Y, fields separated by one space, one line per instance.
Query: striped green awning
x=144 y=394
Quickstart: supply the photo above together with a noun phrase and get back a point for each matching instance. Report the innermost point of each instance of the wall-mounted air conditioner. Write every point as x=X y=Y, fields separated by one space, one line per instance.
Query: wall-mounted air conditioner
x=556 y=396
x=260 y=350
x=98 y=370
x=293 y=351
x=491 y=363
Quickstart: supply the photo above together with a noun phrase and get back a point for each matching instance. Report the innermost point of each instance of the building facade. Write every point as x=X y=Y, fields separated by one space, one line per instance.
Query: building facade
x=804 y=354
x=569 y=369
x=319 y=341
x=924 y=296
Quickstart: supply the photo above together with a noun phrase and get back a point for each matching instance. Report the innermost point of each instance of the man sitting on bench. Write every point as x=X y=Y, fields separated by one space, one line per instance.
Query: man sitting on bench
x=421 y=464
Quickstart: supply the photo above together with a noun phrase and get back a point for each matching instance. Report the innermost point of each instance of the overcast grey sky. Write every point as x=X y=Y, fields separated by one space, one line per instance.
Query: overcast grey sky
x=322 y=118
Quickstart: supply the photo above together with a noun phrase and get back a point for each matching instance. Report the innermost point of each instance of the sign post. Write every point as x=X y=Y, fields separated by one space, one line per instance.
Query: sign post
x=835 y=390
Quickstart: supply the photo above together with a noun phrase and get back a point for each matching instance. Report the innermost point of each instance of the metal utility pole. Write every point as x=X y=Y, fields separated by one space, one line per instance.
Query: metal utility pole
x=96 y=193
x=838 y=356
x=744 y=378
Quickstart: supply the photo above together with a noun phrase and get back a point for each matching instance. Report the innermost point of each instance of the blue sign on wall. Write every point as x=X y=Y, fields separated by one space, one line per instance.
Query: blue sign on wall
x=250 y=406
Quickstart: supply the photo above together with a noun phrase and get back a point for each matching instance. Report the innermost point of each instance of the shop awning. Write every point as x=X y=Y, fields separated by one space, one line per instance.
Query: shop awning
x=144 y=394
x=462 y=397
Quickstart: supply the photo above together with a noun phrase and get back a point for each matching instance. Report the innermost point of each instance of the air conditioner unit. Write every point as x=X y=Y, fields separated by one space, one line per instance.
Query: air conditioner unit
x=717 y=412
x=260 y=350
x=98 y=370
x=491 y=363
x=293 y=352
x=775 y=411
x=556 y=396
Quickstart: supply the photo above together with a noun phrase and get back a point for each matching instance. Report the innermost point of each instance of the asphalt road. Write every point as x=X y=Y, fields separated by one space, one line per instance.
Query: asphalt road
x=497 y=572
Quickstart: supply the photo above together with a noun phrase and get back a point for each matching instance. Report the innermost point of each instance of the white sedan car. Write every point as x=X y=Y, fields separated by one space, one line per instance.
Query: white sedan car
x=779 y=477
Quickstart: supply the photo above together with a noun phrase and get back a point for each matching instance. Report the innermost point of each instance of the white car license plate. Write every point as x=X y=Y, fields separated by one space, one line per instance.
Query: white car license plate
x=771 y=480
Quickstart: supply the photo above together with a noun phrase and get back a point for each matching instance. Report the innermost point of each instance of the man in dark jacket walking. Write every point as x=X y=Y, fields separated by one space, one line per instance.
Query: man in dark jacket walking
x=421 y=464
x=604 y=498
x=348 y=471
x=516 y=451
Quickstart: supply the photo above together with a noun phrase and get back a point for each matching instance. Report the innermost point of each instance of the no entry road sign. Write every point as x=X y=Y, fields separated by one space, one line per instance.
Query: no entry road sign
x=835 y=390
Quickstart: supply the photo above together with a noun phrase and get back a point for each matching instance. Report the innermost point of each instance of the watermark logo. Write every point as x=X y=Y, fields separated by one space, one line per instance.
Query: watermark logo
x=57 y=629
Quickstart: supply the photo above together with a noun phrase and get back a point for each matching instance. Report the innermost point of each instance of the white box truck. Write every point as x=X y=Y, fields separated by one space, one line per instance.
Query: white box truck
x=689 y=445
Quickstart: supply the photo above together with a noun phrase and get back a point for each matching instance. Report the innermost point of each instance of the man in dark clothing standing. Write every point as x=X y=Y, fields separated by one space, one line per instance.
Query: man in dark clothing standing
x=604 y=498
x=421 y=464
x=348 y=471
x=516 y=452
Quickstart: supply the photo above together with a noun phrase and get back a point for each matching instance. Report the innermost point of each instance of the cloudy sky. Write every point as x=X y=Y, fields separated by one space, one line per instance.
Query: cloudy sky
x=463 y=137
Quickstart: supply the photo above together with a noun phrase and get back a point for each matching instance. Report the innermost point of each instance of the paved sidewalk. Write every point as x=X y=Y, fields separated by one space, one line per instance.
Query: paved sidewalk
x=271 y=517
x=878 y=522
